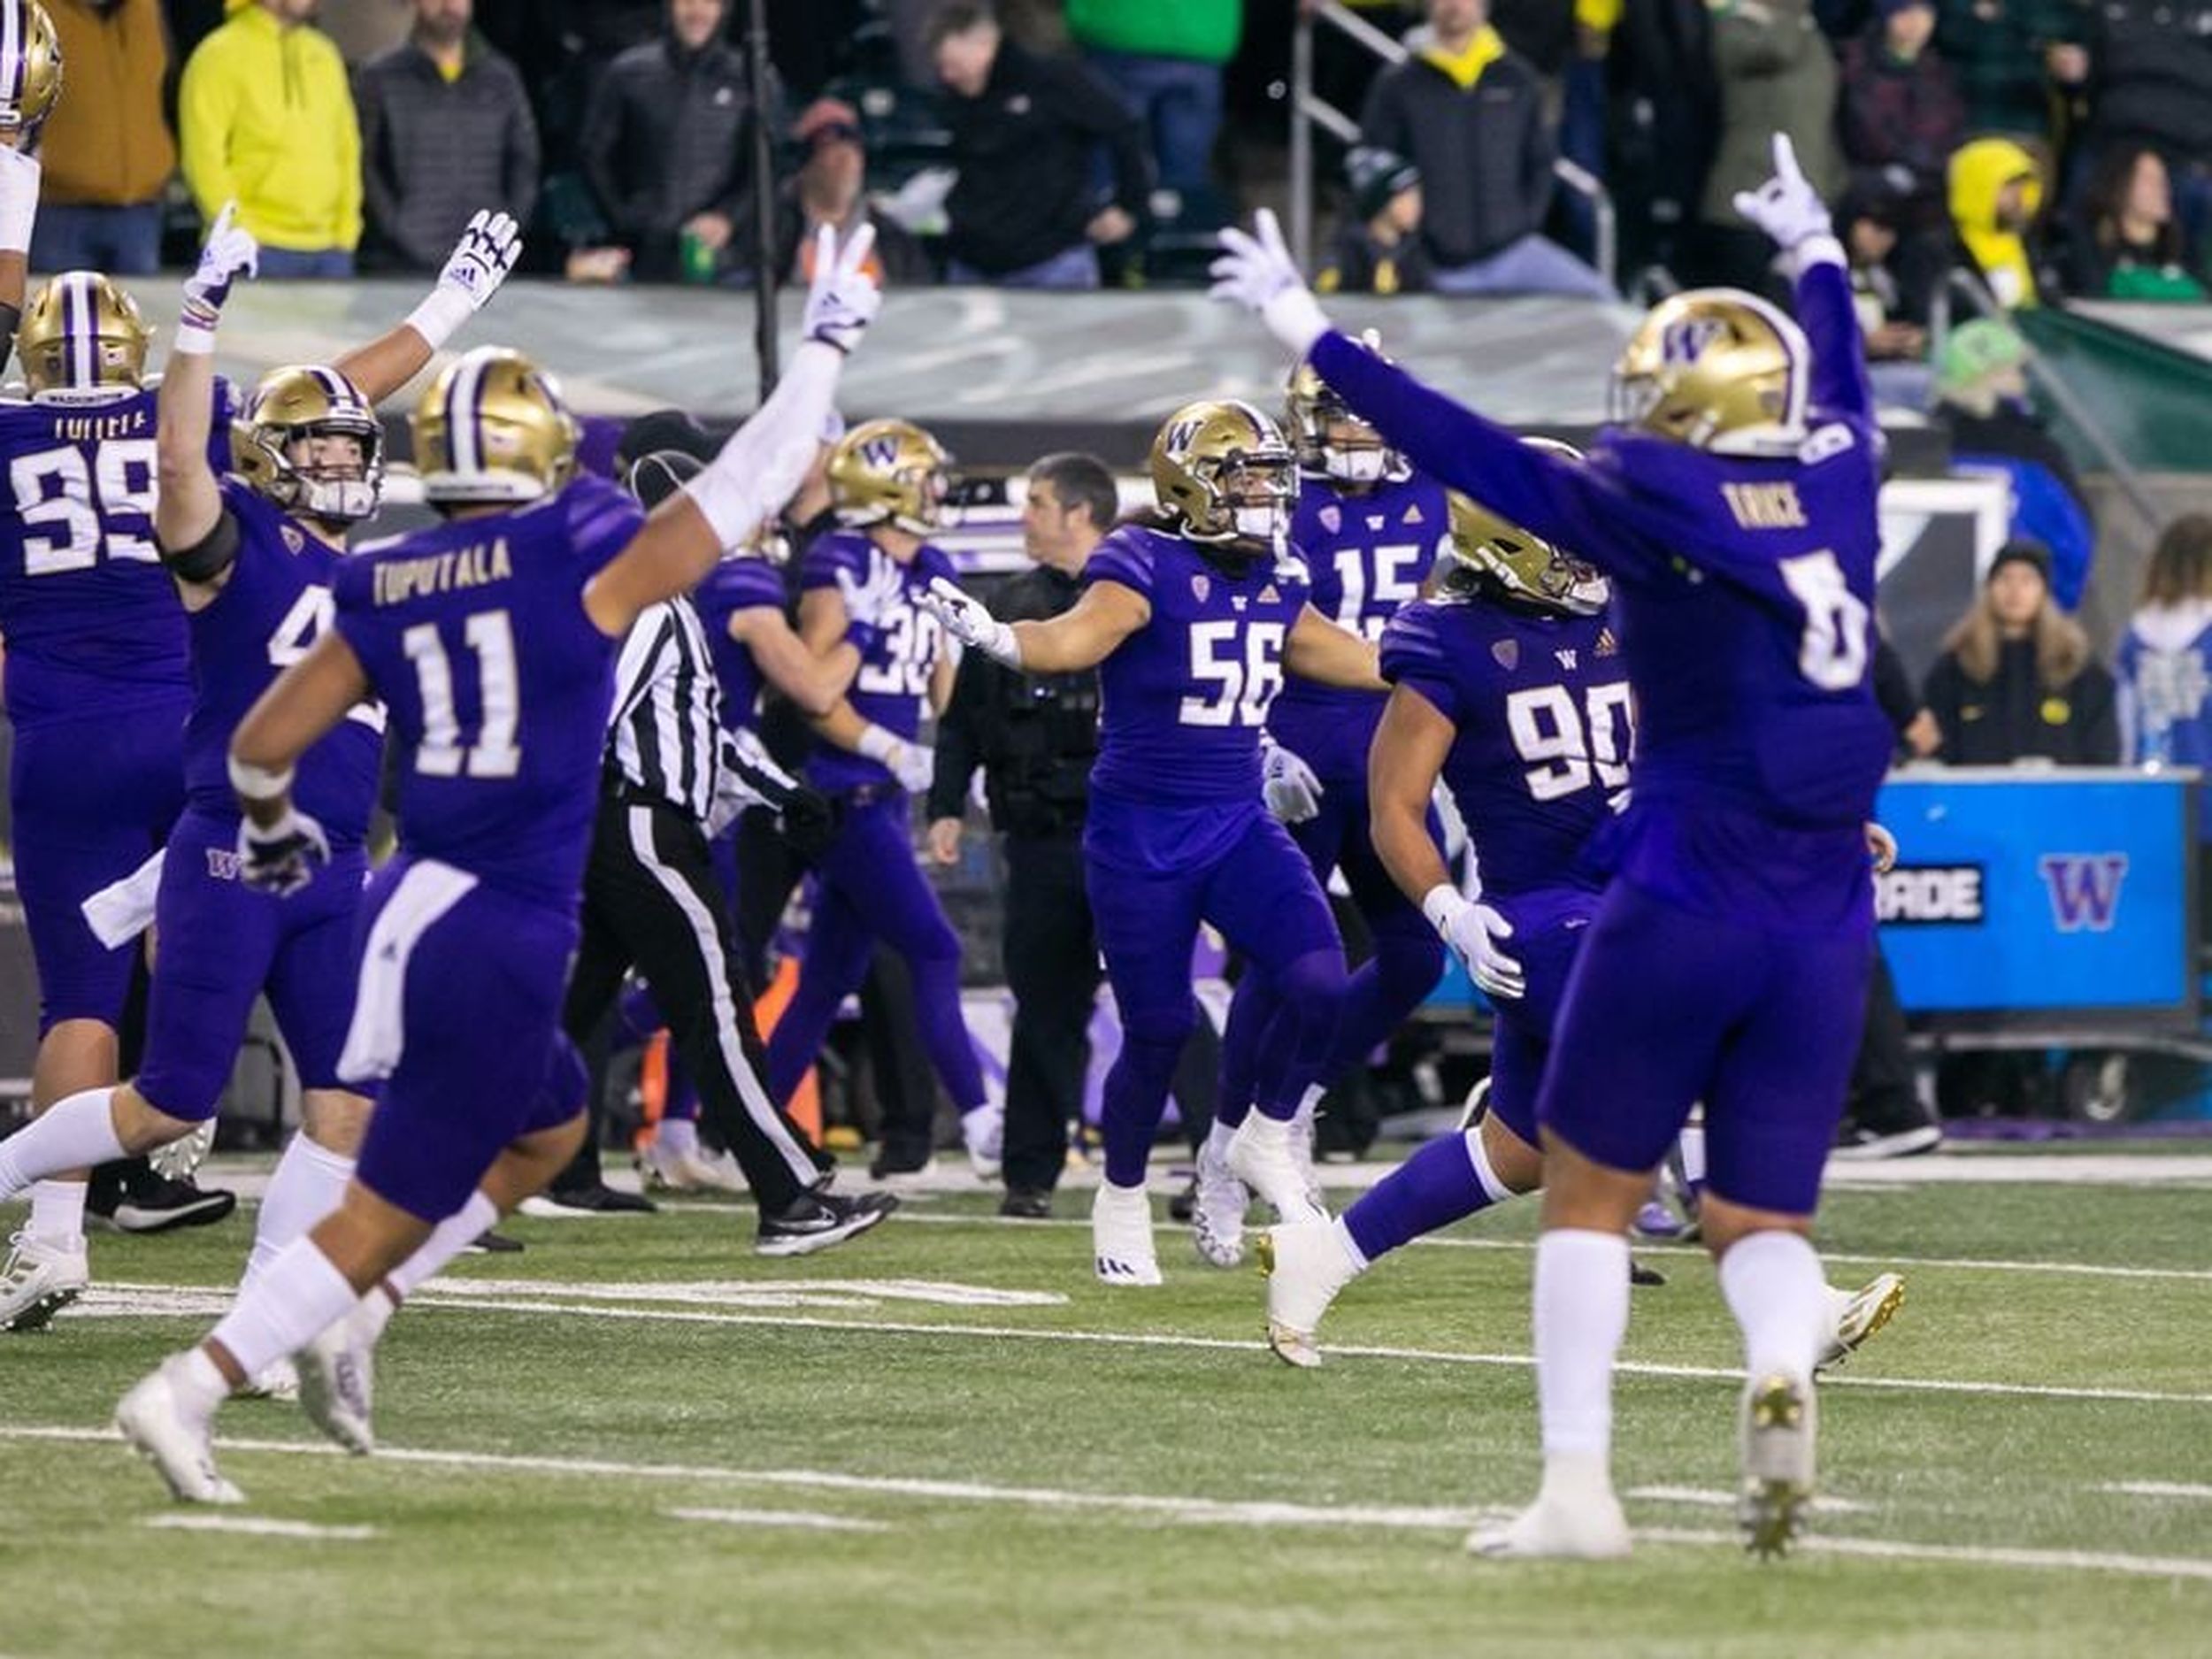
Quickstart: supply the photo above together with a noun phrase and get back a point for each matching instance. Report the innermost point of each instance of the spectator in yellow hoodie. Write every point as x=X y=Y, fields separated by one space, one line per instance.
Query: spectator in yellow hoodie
x=267 y=120
x=1996 y=191
x=106 y=149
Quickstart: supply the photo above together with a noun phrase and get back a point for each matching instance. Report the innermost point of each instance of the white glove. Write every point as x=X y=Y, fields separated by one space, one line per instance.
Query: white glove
x=478 y=263
x=283 y=858
x=913 y=765
x=843 y=298
x=19 y=199
x=1259 y=274
x=1473 y=931
x=966 y=618
x=868 y=602
x=231 y=252
x=1287 y=785
x=1790 y=211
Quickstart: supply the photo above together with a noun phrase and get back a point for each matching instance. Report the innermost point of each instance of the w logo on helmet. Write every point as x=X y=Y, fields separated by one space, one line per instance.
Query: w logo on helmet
x=880 y=454
x=1690 y=338
x=1180 y=435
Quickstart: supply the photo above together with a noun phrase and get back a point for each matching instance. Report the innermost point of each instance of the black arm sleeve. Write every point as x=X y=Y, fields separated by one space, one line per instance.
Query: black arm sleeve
x=959 y=746
x=208 y=557
x=1893 y=686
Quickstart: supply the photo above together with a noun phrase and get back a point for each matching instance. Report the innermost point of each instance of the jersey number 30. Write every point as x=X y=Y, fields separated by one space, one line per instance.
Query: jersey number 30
x=1831 y=653
x=491 y=638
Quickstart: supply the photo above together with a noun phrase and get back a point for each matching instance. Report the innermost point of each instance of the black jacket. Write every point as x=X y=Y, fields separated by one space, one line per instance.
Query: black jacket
x=669 y=134
x=434 y=151
x=2014 y=714
x=1485 y=154
x=1023 y=150
x=2151 y=65
x=1035 y=735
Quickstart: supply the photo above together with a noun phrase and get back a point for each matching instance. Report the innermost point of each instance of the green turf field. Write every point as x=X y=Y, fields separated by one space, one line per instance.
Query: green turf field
x=637 y=1439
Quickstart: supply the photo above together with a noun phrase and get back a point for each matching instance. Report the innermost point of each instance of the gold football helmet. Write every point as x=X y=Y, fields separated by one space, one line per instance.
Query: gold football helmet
x=1328 y=438
x=1525 y=566
x=493 y=428
x=30 y=66
x=1718 y=369
x=82 y=339
x=889 y=471
x=1221 y=469
x=308 y=400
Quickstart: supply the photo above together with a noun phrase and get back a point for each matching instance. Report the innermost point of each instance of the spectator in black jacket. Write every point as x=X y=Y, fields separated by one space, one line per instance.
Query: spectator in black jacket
x=446 y=129
x=668 y=147
x=2150 y=84
x=1470 y=114
x=1378 y=249
x=2016 y=681
x=1024 y=127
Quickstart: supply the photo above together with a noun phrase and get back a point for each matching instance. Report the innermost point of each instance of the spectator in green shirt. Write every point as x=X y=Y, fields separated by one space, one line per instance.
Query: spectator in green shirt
x=1164 y=58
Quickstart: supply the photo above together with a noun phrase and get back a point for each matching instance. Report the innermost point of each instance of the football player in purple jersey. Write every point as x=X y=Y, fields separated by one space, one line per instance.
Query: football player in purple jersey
x=1508 y=684
x=1367 y=528
x=1732 y=504
x=490 y=639
x=888 y=484
x=123 y=704
x=1192 y=625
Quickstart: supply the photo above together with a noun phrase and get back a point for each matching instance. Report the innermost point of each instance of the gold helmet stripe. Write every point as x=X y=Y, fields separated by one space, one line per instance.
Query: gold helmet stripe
x=464 y=454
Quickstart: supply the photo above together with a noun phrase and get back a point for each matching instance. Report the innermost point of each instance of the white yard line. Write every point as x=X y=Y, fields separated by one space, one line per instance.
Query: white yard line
x=803 y=1520
x=2156 y=1489
x=258 y=1526
x=1202 y=1511
x=1705 y=1497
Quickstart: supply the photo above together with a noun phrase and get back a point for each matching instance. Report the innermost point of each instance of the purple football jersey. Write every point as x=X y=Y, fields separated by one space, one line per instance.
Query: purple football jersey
x=1546 y=729
x=1367 y=555
x=892 y=687
x=1743 y=588
x=273 y=607
x=1187 y=695
x=743 y=582
x=497 y=684
x=92 y=620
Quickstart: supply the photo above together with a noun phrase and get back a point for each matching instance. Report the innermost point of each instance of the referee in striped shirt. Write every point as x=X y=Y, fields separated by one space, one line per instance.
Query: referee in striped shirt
x=652 y=903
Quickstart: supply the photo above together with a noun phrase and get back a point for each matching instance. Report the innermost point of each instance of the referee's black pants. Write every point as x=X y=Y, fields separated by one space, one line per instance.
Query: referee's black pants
x=1052 y=968
x=651 y=902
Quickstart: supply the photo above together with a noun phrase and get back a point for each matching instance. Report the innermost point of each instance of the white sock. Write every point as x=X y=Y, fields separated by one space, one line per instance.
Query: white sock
x=679 y=1137
x=295 y=1298
x=1353 y=1254
x=1218 y=1135
x=1581 y=1314
x=57 y=1212
x=309 y=1180
x=447 y=1241
x=75 y=1133
x=199 y=1386
x=1775 y=1288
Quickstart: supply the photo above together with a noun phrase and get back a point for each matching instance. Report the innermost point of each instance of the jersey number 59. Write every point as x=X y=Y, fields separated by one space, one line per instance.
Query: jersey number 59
x=71 y=508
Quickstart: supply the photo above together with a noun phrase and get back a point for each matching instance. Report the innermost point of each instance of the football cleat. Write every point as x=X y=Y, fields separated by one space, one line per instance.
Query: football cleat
x=1121 y=1251
x=338 y=1377
x=1306 y=1265
x=182 y=1158
x=279 y=1382
x=132 y=1197
x=1780 y=1418
x=1216 y=1215
x=1302 y=1132
x=155 y=1423
x=1260 y=1157
x=1859 y=1315
x=815 y=1221
x=983 y=1131
x=39 y=1280
x=1575 y=1517
x=665 y=1170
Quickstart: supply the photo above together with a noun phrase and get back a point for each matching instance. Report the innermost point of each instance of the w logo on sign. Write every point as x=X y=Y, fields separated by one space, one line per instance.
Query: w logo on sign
x=1687 y=340
x=2084 y=890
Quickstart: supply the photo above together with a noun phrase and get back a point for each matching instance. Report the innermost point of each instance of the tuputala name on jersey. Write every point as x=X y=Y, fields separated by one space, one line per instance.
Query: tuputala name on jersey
x=474 y=566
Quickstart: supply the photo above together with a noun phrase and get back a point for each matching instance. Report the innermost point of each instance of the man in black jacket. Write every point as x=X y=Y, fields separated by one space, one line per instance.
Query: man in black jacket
x=2150 y=67
x=1468 y=113
x=1024 y=129
x=668 y=147
x=446 y=130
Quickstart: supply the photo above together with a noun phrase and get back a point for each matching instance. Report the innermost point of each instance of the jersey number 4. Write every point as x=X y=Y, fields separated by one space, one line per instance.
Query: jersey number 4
x=1831 y=652
x=491 y=638
x=70 y=506
x=1564 y=751
x=1240 y=690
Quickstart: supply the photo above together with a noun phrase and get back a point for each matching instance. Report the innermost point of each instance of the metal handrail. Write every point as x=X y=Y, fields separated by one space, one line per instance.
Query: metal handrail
x=1309 y=109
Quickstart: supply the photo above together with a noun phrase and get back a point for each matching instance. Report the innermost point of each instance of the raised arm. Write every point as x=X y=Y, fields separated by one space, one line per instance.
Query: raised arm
x=719 y=508
x=478 y=263
x=1790 y=211
x=1079 y=638
x=18 y=209
x=1319 y=650
x=197 y=542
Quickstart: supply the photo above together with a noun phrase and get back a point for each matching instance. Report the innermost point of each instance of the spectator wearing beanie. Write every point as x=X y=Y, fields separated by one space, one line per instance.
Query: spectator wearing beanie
x=832 y=188
x=1902 y=115
x=1378 y=249
x=2016 y=682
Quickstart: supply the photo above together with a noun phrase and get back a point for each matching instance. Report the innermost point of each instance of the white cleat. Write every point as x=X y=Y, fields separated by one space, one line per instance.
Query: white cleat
x=338 y=1378
x=1306 y=1265
x=1260 y=1157
x=1859 y=1315
x=1122 y=1252
x=156 y=1425
x=1217 y=1211
x=1780 y=1423
x=1553 y=1528
x=39 y=1280
x=279 y=1382
x=182 y=1158
x=983 y=1131
x=665 y=1170
x=1301 y=1153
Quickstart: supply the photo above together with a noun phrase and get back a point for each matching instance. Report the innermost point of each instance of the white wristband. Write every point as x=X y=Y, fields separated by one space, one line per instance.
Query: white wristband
x=1440 y=904
x=1821 y=249
x=192 y=341
x=878 y=744
x=441 y=315
x=258 y=783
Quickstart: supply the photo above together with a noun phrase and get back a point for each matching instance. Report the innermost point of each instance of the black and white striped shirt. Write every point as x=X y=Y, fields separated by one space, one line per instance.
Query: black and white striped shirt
x=664 y=738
